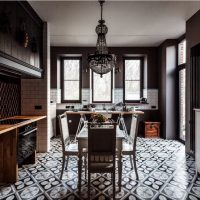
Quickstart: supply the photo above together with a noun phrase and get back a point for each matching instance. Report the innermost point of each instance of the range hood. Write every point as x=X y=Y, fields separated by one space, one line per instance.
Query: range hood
x=16 y=66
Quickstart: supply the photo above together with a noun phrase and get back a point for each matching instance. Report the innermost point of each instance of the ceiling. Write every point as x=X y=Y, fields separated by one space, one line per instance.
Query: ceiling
x=130 y=23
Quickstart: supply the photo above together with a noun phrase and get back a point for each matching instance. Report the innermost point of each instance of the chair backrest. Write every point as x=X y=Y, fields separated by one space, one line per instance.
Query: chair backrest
x=64 y=130
x=101 y=142
x=134 y=130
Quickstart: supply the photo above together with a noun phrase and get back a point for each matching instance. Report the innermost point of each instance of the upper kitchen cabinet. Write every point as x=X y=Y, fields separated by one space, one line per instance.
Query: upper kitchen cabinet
x=21 y=39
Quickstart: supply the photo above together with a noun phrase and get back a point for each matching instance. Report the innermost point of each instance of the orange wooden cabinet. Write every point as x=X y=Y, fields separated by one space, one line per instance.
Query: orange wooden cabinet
x=152 y=129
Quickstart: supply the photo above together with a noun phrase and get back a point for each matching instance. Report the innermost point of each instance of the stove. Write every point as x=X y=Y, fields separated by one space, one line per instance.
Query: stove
x=12 y=121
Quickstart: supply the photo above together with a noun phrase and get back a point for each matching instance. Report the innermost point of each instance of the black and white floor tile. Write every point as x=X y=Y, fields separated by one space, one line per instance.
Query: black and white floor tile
x=165 y=173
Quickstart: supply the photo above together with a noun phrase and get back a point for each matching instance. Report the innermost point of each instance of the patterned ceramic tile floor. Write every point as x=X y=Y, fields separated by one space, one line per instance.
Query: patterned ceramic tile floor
x=165 y=172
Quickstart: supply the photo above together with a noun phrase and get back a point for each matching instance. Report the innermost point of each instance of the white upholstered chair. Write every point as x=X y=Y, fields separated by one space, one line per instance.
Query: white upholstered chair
x=68 y=148
x=101 y=151
x=129 y=147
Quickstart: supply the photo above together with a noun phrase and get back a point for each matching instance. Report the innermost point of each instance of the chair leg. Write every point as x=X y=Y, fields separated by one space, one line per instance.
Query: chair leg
x=113 y=178
x=67 y=161
x=63 y=165
x=136 y=172
x=131 y=160
x=85 y=163
x=88 y=185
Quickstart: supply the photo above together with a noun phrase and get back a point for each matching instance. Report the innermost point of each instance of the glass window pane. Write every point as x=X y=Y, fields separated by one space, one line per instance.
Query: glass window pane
x=102 y=87
x=132 y=69
x=71 y=69
x=132 y=89
x=182 y=104
x=182 y=52
x=71 y=90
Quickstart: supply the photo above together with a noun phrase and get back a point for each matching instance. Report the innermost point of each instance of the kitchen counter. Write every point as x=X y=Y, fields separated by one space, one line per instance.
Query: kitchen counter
x=9 y=145
x=9 y=127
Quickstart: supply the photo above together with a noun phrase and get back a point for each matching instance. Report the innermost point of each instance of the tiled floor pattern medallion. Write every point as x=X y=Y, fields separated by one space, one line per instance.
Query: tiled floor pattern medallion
x=165 y=173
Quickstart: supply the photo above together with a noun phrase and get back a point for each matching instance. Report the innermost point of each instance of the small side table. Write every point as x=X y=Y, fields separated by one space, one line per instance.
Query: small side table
x=152 y=129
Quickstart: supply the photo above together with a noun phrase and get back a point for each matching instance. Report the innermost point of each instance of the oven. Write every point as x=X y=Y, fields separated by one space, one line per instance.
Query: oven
x=27 y=142
x=27 y=139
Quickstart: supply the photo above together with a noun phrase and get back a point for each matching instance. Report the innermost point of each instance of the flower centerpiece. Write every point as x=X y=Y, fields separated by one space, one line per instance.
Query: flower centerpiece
x=98 y=118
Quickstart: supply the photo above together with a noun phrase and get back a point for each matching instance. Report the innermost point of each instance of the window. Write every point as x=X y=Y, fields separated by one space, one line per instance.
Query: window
x=182 y=52
x=102 y=87
x=133 y=79
x=182 y=88
x=71 y=84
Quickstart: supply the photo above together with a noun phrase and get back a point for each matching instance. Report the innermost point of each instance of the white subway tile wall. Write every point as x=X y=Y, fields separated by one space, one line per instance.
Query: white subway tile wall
x=145 y=93
x=54 y=96
x=150 y=94
x=118 y=95
x=58 y=96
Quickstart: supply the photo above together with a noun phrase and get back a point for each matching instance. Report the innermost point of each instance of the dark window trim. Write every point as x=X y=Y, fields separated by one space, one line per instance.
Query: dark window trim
x=141 y=78
x=181 y=38
x=110 y=91
x=62 y=80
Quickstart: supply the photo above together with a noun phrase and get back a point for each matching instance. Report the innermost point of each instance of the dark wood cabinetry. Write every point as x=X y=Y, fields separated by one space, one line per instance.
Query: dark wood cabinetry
x=152 y=129
x=20 y=19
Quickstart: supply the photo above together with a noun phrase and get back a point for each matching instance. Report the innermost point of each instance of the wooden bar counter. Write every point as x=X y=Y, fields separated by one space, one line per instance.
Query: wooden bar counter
x=8 y=148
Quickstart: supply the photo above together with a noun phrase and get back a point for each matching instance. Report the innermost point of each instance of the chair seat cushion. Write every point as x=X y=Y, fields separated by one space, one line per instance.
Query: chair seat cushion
x=72 y=147
x=127 y=147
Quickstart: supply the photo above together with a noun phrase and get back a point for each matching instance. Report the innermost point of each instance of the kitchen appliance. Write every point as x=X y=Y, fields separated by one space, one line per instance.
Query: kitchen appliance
x=27 y=142
x=27 y=138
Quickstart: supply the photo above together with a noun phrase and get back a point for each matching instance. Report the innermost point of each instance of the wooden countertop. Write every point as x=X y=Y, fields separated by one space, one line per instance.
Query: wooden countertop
x=106 y=112
x=8 y=127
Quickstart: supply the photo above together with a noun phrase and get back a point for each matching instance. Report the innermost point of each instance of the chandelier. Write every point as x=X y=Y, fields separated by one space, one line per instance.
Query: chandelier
x=101 y=61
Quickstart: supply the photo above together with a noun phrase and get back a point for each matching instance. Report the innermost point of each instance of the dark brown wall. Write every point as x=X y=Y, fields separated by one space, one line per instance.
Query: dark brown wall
x=163 y=82
x=192 y=38
x=150 y=52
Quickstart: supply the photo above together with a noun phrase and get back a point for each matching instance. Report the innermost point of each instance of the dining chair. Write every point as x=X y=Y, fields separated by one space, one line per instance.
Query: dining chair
x=129 y=146
x=69 y=148
x=101 y=150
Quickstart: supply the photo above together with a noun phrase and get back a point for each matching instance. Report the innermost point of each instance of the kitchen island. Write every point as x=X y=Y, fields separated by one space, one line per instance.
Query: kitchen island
x=10 y=129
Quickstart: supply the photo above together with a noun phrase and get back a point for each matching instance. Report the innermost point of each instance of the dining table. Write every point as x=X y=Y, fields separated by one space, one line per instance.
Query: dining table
x=82 y=139
x=120 y=119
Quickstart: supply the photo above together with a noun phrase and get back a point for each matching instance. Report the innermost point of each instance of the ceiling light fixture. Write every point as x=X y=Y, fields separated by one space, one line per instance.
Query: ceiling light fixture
x=101 y=62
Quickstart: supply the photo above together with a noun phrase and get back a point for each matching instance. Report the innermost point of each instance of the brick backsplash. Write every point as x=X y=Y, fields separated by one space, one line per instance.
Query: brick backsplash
x=150 y=94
